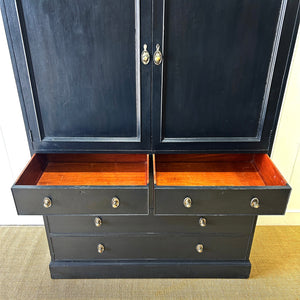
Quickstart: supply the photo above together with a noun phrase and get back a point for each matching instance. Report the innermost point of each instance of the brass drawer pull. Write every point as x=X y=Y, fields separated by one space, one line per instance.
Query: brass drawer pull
x=145 y=56
x=100 y=248
x=47 y=202
x=115 y=202
x=199 y=248
x=157 y=56
x=187 y=202
x=98 y=221
x=254 y=203
x=202 y=222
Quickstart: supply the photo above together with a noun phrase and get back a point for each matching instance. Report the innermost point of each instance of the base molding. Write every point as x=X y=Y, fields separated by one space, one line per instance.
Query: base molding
x=150 y=269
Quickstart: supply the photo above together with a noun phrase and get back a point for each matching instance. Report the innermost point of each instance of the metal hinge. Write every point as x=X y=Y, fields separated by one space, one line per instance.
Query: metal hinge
x=30 y=136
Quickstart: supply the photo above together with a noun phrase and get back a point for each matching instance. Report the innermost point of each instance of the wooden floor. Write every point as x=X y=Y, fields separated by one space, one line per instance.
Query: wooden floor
x=275 y=258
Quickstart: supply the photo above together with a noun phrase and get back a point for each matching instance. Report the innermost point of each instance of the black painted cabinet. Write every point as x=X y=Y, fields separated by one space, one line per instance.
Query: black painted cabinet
x=182 y=99
x=83 y=86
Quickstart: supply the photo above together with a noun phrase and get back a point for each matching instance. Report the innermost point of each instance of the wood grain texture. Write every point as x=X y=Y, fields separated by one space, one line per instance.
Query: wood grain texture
x=268 y=170
x=208 y=174
x=216 y=170
x=147 y=171
x=223 y=157
x=86 y=169
x=32 y=171
x=96 y=157
x=154 y=168
x=94 y=174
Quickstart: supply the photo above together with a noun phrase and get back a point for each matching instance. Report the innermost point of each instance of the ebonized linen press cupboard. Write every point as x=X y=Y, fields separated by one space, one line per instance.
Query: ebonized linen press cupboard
x=150 y=124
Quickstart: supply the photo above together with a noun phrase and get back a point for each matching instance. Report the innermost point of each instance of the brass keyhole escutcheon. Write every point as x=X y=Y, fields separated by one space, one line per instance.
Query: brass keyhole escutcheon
x=202 y=222
x=145 y=56
x=254 y=203
x=200 y=248
x=187 y=202
x=157 y=56
x=100 y=248
x=115 y=202
x=47 y=202
x=98 y=221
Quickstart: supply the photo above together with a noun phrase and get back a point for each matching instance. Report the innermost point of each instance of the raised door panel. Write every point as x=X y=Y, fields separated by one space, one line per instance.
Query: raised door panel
x=81 y=79
x=214 y=90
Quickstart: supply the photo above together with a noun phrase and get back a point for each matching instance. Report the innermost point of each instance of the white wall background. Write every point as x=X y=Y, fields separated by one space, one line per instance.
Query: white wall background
x=14 y=151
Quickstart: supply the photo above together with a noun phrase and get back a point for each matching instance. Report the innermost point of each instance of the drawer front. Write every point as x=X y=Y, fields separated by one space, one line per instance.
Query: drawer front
x=29 y=200
x=169 y=247
x=97 y=224
x=214 y=200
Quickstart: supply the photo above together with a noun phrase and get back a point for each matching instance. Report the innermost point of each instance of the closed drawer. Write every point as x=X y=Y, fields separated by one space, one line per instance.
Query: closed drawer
x=150 y=247
x=83 y=183
x=200 y=184
x=97 y=224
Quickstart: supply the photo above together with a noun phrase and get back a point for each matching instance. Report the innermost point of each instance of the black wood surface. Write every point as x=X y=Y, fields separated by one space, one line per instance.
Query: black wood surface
x=81 y=80
x=252 y=231
x=82 y=87
x=81 y=200
x=221 y=200
x=149 y=224
x=151 y=246
x=46 y=224
x=220 y=85
x=150 y=269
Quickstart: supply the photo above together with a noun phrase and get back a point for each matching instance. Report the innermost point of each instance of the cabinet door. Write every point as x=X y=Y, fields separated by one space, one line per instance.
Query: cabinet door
x=220 y=85
x=77 y=65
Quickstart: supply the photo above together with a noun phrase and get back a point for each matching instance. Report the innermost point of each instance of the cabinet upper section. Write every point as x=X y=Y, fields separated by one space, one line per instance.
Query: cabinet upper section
x=211 y=77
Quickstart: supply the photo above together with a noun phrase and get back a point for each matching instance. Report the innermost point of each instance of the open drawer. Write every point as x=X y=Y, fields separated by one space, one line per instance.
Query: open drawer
x=196 y=184
x=83 y=184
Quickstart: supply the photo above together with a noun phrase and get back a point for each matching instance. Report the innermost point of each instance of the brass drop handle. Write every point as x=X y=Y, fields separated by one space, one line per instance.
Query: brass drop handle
x=157 y=56
x=202 y=222
x=115 y=202
x=200 y=248
x=187 y=202
x=98 y=221
x=47 y=202
x=145 y=56
x=254 y=203
x=100 y=248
